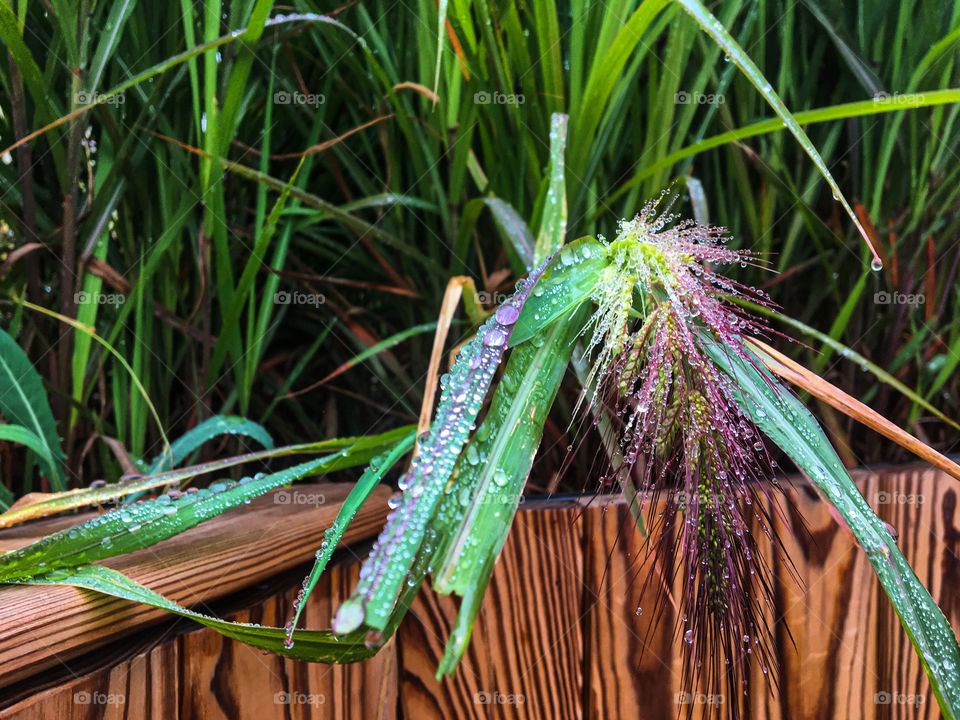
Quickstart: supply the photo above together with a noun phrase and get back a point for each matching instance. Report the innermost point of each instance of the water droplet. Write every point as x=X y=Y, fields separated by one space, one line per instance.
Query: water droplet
x=876 y=264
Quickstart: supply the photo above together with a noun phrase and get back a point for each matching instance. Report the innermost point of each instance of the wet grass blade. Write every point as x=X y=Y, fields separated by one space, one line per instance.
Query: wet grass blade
x=311 y=645
x=348 y=452
x=736 y=54
x=784 y=419
x=464 y=389
x=358 y=495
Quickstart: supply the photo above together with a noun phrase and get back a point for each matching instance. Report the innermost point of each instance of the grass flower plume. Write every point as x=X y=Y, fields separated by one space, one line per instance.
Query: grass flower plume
x=684 y=441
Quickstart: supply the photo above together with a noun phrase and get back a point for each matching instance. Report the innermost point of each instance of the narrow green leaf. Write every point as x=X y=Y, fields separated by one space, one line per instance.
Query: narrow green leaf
x=207 y=430
x=724 y=39
x=24 y=402
x=784 y=419
x=361 y=491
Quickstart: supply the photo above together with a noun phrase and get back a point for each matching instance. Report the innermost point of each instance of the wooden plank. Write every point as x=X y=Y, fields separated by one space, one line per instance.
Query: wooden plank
x=44 y=625
x=525 y=655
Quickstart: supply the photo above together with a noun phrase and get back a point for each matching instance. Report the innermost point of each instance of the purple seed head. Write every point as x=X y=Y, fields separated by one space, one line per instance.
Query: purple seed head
x=685 y=442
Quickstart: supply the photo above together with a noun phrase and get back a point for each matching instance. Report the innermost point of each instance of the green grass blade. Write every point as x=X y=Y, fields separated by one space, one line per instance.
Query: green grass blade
x=569 y=280
x=207 y=430
x=347 y=452
x=722 y=37
x=463 y=392
x=784 y=419
x=553 y=225
x=311 y=645
x=23 y=401
x=358 y=495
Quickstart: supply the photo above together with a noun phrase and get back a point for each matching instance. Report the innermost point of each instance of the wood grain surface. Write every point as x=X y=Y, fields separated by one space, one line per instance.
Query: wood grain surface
x=559 y=635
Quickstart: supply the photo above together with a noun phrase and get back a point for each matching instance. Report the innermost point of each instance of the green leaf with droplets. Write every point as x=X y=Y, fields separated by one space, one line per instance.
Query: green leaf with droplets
x=463 y=392
x=553 y=225
x=475 y=515
x=358 y=495
x=492 y=472
x=569 y=280
x=207 y=430
x=784 y=419
x=311 y=645
x=139 y=526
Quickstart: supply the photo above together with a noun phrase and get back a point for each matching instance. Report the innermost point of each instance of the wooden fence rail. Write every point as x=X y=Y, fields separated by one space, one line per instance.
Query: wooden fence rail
x=559 y=635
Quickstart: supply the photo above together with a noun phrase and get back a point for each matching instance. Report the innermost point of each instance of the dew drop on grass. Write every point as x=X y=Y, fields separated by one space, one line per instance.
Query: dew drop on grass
x=876 y=264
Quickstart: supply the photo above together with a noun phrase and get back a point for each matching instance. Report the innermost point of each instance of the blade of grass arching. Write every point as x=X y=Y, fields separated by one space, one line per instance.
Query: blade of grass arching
x=23 y=401
x=464 y=390
x=790 y=425
x=853 y=356
x=807 y=117
x=230 y=333
x=207 y=430
x=311 y=645
x=347 y=452
x=722 y=37
x=553 y=226
x=358 y=495
x=26 y=436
